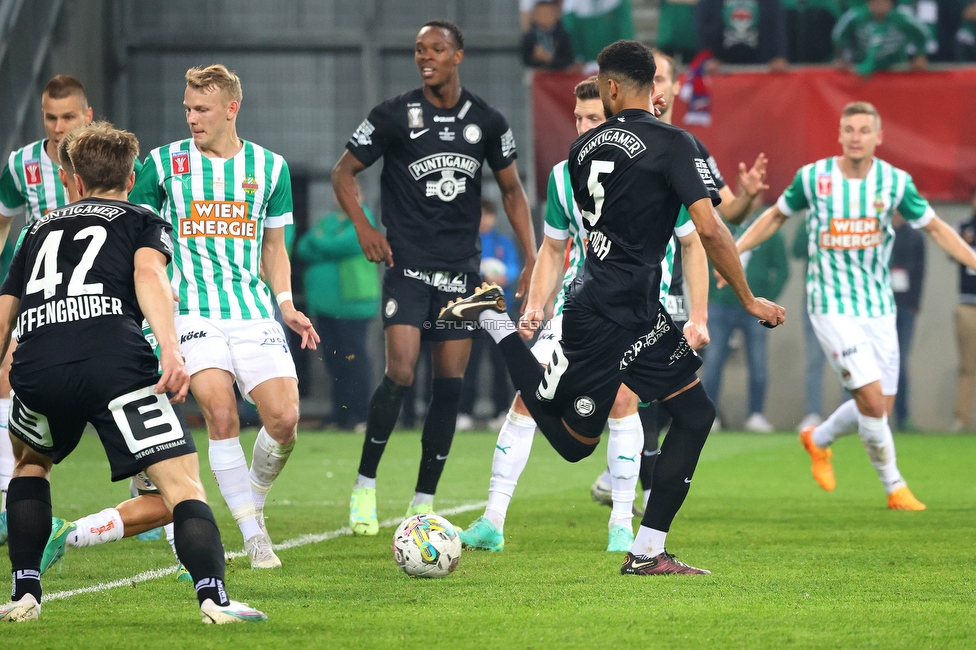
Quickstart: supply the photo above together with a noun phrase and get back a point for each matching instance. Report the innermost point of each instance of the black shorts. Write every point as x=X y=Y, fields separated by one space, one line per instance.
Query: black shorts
x=49 y=409
x=595 y=355
x=415 y=298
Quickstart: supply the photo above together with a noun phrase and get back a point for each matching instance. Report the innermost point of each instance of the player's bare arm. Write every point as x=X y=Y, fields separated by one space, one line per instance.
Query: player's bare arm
x=721 y=250
x=761 y=229
x=545 y=278
x=155 y=296
x=694 y=264
x=277 y=269
x=951 y=242
x=735 y=208
x=5 y=223
x=372 y=241
x=517 y=209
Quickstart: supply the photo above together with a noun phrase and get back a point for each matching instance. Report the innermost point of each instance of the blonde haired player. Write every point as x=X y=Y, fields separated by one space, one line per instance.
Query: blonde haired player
x=849 y=200
x=228 y=201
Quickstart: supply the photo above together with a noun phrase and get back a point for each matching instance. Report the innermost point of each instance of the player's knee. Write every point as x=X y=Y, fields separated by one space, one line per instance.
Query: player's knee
x=281 y=422
x=401 y=375
x=222 y=422
x=519 y=407
x=624 y=404
x=692 y=410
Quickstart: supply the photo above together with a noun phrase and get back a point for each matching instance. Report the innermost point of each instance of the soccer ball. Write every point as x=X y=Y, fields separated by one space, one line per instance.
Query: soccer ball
x=426 y=546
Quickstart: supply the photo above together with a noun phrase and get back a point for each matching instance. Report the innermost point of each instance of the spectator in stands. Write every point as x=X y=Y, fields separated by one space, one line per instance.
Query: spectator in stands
x=743 y=32
x=677 y=32
x=966 y=36
x=767 y=271
x=965 y=318
x=907 y=267
x=809 y=24
x=875 y=36
x=546 y=44
x=500 y=265
x=342 y=292
x=813 y=376
x=594 y=24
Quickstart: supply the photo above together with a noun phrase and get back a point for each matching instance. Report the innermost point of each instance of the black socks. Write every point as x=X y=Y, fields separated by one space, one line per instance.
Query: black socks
x=384 y=409
x=29 y=525
x=200 y=550
x=438 y=431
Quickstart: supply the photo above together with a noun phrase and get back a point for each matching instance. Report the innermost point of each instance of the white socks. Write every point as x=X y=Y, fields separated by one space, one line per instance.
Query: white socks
x=267 y=461
x=230 y=471
x=422 y=499
x=6 y=451
x=511 y=453
x=880 y=445
x=171 y=537
x=840 y=423
x=364 y=482
x=497 y=325
x=99 y=528
x=624 y=447
x=649 y=542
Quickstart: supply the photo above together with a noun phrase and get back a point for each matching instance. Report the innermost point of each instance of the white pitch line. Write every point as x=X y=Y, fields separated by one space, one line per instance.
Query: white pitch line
x=303 y=540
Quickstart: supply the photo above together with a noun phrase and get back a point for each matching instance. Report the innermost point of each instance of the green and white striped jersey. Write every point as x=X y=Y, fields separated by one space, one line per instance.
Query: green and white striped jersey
x=29 y=181
x=564 y=221
x=850 y=234
x=219 y=210
x=682 y=227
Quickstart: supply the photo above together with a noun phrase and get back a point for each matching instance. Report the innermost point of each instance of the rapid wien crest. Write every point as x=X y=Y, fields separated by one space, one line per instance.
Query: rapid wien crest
x=452 y=168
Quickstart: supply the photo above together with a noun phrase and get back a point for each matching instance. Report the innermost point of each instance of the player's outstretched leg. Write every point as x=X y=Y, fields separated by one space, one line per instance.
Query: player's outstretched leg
x=512 y=451
x=29 y=518
x=487 y=305
x=692 y=414
x=817 y=440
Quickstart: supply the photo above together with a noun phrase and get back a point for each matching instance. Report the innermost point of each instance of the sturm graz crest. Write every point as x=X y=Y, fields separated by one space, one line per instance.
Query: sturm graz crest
x=449 y=183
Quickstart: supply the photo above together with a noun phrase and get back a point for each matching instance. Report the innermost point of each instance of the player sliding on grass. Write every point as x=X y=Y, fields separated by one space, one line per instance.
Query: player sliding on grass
x=77 y=290
x=849 y=200
x=629 y=176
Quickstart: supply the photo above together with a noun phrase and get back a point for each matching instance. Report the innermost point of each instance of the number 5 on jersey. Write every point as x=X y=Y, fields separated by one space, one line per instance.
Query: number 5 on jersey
x=595 y=188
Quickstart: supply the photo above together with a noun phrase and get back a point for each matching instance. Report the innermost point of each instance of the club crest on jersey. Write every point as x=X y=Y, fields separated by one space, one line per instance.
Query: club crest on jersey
x=448 y=186
x=415 y=116
x=249 y=184
x=824 y=185
x=879 y=205
x=32 y=170
x=180 y=162
x=472 y=134
x=446 y=135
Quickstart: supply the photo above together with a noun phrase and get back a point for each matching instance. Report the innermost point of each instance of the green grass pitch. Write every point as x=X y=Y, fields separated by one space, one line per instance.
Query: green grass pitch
x=792 y=566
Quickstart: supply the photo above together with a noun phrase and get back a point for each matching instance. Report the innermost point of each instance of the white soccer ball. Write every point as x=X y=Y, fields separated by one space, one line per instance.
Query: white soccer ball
x=492 y=267
x=426 y=546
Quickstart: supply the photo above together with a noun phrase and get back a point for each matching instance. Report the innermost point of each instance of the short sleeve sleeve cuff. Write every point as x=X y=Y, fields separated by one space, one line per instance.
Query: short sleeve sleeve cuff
x=685 y=229
x=279 y=221
x=9 y=212
x=924 y=220
x=784 y=207
x=555 y=233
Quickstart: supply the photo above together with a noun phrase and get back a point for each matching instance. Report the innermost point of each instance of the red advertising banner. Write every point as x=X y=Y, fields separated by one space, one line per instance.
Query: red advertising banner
x=928 y=121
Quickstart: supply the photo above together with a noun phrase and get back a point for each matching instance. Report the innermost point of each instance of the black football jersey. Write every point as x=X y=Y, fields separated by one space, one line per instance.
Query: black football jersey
x=630 y=176
x=677 y=286
x=431 y=182
x=73 y=274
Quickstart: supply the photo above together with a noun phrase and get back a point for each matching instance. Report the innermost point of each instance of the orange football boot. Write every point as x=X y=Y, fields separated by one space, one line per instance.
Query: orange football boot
x=822 y=470
x=903 y=499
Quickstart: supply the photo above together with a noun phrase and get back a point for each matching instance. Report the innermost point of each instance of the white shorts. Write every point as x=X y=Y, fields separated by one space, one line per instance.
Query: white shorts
x=551 y=332
x=254 y=351
x=860 y=349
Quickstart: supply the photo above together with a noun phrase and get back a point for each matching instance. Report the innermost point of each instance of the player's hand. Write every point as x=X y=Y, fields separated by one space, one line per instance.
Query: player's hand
x=696 y=334
x=753 y=181
x=300 y=324
x=175 y=378
x=530 y=321
x=375 y=246
x=658 y=105
x=769 y=313
x=524 y=278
